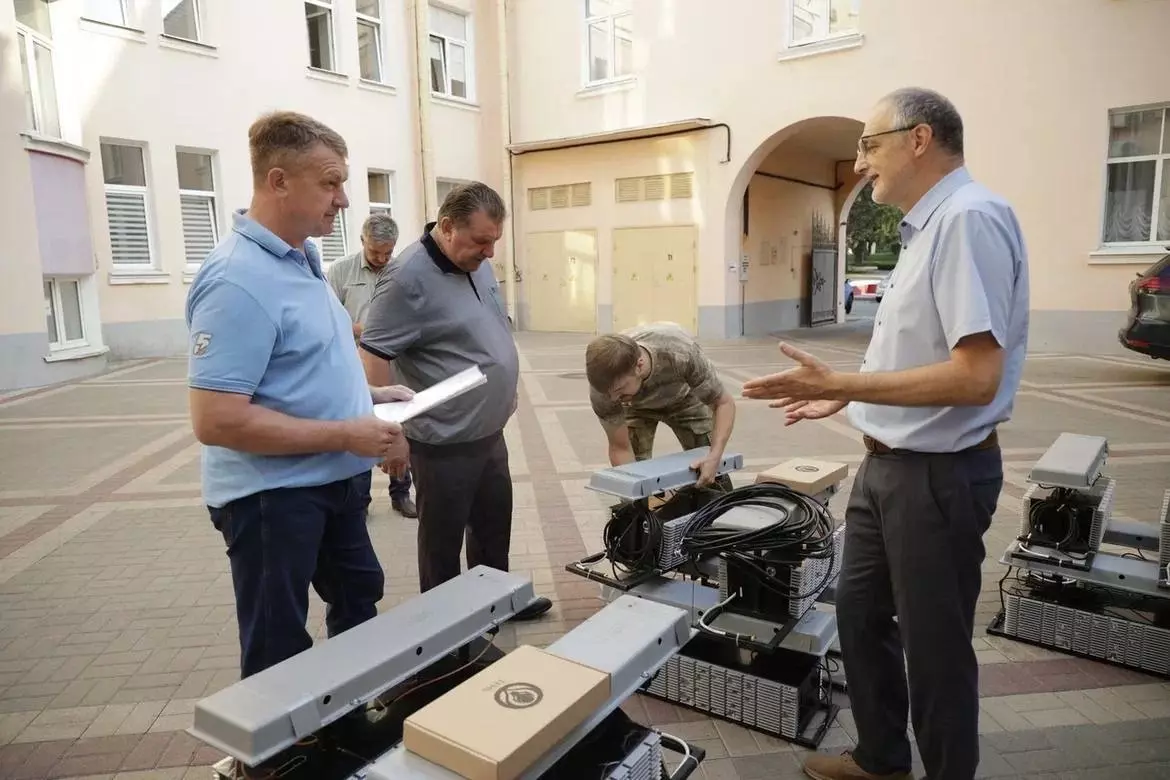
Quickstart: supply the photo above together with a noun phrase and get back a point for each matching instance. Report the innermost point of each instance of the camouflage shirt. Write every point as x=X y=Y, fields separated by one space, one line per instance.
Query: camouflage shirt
x=681 y=382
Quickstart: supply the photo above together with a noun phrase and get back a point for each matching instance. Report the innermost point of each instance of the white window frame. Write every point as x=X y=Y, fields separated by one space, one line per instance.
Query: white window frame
x=327 y=7
x=123 y=6
x=468 y=46
x=443 y=180
x=815 y=40
x=30 y=39
x=148 y=212
x=387 y=208
x=1161 y=162
x=611 y=41
x=209 y=196
x=56 y=311
x=340 y=223
x=198 y=12
x=376 y=23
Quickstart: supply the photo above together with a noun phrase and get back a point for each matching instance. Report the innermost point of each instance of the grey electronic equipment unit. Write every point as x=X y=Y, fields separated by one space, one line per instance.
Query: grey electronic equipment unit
x=1070 y=594
x=772 y=643
x=630 y=639
x=1073 y=461
x=262 y=715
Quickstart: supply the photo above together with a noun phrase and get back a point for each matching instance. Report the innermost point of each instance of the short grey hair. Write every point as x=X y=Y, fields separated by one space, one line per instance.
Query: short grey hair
x=915 y=106
x=467 y=199
x=380 y=228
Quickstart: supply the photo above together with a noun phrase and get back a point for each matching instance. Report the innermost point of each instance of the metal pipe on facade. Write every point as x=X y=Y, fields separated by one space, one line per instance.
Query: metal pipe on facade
x=423 y=90
x=506 y=133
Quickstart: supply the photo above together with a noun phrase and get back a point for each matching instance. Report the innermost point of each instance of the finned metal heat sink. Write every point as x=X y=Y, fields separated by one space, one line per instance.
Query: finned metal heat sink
x=1089 y=632
x=1164 y=542
x=644 y=762
x=808 y=578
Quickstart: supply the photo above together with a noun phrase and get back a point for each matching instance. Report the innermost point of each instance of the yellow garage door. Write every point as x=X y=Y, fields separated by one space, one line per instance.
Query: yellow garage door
x=561 y=281
x=654 y=276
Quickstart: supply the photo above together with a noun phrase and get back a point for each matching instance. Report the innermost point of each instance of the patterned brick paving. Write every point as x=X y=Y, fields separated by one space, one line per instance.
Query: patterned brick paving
x=116 y=603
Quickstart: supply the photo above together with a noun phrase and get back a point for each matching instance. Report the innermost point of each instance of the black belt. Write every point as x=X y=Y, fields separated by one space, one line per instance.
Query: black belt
x=875 y=447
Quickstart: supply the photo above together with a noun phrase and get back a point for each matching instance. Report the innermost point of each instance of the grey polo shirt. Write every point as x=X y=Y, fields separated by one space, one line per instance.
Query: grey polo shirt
x=963 y=270
x=434 y=320
x=353 y=280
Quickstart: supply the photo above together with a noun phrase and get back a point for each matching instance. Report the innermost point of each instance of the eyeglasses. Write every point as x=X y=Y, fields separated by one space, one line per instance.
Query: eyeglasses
x=864 y=148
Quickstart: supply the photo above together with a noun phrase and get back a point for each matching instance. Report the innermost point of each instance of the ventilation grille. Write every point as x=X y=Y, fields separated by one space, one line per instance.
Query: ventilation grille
x=662 y=186
x=560 y=196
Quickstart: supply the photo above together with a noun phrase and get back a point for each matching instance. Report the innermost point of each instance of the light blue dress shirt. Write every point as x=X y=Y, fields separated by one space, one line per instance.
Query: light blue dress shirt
x=963 y=270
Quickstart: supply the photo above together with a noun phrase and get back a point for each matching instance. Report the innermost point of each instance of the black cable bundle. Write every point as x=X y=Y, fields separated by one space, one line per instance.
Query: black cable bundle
x=632 y=537
x=1056 y=521
x=803 y=531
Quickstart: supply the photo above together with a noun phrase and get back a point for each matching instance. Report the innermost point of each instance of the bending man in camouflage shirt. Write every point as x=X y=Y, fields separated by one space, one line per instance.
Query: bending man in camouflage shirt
x=657 y=373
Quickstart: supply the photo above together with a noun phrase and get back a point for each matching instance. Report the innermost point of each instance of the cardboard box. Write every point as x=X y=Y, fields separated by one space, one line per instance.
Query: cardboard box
x=807 y=476
x=497 y=724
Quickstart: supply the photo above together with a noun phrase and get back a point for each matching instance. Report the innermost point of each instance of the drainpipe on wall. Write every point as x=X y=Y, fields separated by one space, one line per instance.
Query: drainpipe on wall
x=423 y=89
x=506 y=136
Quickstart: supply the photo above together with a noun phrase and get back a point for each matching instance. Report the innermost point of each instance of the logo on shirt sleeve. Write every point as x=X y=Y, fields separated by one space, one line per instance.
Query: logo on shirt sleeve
x=200 y=343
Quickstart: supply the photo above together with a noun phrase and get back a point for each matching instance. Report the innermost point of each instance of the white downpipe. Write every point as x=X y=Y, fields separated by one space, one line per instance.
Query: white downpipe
x=506 y=136
x=422 y=40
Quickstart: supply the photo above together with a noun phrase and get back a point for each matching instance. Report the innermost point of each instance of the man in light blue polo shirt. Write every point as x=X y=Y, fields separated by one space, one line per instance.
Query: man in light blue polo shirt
x=280 y=401
x=941 y=372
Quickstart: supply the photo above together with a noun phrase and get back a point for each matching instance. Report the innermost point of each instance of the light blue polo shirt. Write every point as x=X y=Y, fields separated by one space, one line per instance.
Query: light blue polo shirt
x=963 y=270
x=264 y=322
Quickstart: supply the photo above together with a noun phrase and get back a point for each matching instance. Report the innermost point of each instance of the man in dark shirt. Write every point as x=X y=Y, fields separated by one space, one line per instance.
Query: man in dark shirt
x=435 y=312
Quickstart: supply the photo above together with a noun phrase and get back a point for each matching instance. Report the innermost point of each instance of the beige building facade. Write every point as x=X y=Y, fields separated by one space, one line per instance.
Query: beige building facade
x=663 y=159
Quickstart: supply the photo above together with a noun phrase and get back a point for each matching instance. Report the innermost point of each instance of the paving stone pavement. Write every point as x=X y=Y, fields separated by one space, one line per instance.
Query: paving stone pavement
x=116 y=608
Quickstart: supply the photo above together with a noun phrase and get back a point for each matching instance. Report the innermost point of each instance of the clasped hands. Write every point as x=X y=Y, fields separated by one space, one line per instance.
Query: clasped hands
x=810 y=390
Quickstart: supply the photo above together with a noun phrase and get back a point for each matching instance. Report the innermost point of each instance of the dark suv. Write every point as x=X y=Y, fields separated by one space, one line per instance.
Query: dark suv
x=1147 y=329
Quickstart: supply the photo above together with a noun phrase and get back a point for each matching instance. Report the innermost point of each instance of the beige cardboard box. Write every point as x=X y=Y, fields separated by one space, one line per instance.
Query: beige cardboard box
x=807 y=476
x=497 y=724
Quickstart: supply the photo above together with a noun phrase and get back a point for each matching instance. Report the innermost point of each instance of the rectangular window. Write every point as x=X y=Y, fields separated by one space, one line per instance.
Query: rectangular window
x=443 y=188
x=1137 y=177
x=181 y=19
x=811 y=21
x=450 y=54
x=127 y=204
x=197 y=205
x=319 y=21
x=381 y=193
x=369 y=33
x=34 y=38
x=609 y=40
x=108 y=11
x=63 y=315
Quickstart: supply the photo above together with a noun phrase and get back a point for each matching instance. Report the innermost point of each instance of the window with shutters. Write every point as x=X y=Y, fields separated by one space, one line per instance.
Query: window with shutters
x=127 y=205
x=334 y=246
x=450 y=54
x=381 y=192
x=197 y=204
x=661 y=186
x=34 y=38
x=560 y=196
x=64 y=318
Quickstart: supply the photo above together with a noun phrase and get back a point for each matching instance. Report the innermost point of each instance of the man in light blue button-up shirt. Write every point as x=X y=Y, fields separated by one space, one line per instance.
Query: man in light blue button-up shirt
x=941 y=372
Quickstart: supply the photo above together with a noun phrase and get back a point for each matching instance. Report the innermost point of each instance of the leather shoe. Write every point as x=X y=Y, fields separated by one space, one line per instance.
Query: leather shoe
x=404 y=507
x=537 y=607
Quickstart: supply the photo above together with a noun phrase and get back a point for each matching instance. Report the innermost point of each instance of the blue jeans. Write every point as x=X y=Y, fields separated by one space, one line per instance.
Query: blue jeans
x=400 y=488
x=282 y=541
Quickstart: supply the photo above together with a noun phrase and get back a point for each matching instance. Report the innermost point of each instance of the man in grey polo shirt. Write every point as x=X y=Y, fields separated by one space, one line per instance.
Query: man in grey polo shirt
x=941 y=372
x=353 y=279
x=437 y=311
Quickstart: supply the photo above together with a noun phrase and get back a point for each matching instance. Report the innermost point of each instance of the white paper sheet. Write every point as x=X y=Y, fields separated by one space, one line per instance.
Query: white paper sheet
x=425 y=400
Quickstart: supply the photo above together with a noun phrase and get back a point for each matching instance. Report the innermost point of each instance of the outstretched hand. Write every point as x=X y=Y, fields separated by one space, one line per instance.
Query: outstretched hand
x=809 y=380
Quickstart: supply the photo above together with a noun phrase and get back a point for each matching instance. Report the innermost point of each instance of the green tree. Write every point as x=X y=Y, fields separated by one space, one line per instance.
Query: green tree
x=872 y=224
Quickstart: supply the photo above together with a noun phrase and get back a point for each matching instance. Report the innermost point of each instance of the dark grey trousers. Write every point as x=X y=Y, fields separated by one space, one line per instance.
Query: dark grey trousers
x=462 y=490
x=914 y=548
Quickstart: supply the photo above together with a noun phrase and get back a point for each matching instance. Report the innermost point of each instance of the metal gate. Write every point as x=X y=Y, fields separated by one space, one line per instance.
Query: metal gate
x=823 y=286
